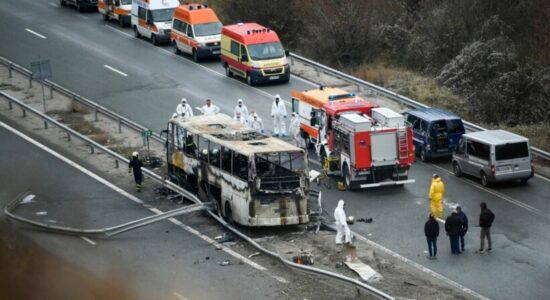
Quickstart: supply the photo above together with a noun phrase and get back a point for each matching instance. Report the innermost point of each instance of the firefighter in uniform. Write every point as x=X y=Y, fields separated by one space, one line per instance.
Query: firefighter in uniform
x=135 y=166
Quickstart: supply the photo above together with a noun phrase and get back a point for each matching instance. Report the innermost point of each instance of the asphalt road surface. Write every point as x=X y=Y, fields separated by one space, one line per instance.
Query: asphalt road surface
x=155 y=262
x=105 y=63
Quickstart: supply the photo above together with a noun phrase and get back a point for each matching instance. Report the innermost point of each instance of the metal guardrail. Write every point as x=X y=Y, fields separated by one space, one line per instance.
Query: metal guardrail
x=136 y=224
x=394 y=96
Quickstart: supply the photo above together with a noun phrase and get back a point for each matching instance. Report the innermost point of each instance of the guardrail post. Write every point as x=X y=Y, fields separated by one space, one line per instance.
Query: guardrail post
x=24 y=112
x=119 y=126
x=9 y=70
x=95 y=114
x=92 y=149
x=10 y=105
x=30 y=81
x=51 y=90
x=45 y=125
x=68 y=137
x=116 y=163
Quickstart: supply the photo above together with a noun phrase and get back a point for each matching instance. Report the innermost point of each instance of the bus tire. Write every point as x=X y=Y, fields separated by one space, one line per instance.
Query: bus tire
x=229 y=214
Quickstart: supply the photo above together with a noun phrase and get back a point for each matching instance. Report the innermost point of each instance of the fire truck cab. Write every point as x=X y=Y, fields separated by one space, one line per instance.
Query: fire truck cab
x=368 y=146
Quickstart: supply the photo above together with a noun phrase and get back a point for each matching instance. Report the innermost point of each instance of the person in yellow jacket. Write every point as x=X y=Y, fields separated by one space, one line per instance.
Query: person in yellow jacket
x=436 y=196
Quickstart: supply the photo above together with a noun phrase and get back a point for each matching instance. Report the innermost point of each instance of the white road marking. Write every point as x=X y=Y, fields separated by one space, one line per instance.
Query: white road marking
x=179 y=296
x=35 y=33
x=82 y=17
x=88 y=240
x=440 y=220
x=155 y=210
x=306 y=80
x=131 y=197
x=530 y=208
x=53 y=4
x=421 y=267
x=542 y=177
x=116 y=71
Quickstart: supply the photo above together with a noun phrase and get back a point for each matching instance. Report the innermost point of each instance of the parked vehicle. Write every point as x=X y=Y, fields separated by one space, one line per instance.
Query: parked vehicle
x=81 y=5
x=196 y=30
x=253 y=179
x=366 y=151
x=254 y=53
x=494 y=156
x=153 y=19
x=436 y=132
x=118 y=10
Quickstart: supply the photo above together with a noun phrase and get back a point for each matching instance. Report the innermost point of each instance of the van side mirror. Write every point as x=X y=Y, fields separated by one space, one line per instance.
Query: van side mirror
x=287 y=52
x=244 y=57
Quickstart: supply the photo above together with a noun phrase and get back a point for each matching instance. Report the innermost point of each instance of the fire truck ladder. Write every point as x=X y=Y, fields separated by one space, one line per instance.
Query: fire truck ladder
x=402 y=143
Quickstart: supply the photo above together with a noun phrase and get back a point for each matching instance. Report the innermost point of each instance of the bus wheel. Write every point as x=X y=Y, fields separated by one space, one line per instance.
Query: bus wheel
x=136 y=32
x=228 y=72
x=229 y=214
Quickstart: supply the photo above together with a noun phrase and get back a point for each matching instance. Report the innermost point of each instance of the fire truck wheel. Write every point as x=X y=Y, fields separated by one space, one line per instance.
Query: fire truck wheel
x=229 y=214
x=457 y=170
x=484 y=179
x=136 y=32
x=347 y=179
x=423 y=155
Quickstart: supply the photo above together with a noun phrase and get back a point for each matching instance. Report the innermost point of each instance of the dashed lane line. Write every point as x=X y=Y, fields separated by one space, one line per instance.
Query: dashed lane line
x=88 y=240
x=179 y=296
x=82 y=17
x=53 y=4
x=116 y=71
x=35 y=33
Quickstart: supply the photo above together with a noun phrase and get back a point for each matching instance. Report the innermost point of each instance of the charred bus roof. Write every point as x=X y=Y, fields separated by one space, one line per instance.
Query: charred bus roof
x=226 y=132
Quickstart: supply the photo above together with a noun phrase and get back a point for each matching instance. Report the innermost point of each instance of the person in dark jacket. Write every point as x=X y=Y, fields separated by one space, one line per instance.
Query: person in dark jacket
x=486 y=219
x=135 y=165
x=431 y=230
x=464 y=227
x=453 y=225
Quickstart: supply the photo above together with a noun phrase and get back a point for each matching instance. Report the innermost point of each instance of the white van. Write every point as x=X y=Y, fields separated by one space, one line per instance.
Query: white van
x=153 y=19
x=493 y=156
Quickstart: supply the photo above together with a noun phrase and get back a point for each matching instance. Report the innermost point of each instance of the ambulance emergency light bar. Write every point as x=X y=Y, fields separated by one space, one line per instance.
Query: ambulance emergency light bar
x=341 y=96
x=258 y=31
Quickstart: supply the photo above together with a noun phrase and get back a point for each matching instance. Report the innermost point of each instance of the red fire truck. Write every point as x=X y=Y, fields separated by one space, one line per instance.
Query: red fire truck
x=367 y=145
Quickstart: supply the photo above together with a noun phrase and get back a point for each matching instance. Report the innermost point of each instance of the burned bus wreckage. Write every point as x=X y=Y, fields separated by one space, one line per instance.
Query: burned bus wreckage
x=253 y=179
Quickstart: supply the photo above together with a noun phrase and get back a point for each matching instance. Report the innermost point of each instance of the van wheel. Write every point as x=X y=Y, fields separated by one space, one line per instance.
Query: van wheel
x=78 y=7
x=484 y=179
x=63 y=3
x=228 y=72
x=175 y=47
x=195 y=56
x=249 y=79
x=229 y=214
x=121 y=22
x=154 y=39
x=524 y=180
x=347 y=178
x=105 y=17
x=423 y=155
x=136 y=32
x=456 y=169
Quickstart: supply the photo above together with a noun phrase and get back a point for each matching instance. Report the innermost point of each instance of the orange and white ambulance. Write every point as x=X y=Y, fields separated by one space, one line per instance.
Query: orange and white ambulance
x=153 y=19
x=118 y=10
x=253 y=52
x=196 y=30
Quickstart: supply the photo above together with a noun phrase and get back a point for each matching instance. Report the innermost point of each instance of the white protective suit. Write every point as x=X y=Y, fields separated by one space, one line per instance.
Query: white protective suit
x=294 y=130
x=278 y=113
x=184 y=109
x=256 y=123
x=241 y=109
x=210 y=110
x=342 y=229
x=240 y=118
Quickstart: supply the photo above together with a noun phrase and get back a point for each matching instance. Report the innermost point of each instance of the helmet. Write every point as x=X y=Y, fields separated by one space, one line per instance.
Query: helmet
x=135 y=154
x=183 y=100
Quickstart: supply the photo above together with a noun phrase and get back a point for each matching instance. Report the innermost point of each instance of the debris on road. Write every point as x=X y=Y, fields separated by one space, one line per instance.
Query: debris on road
x=254 y=254
x=41 y=213
x=225 y=263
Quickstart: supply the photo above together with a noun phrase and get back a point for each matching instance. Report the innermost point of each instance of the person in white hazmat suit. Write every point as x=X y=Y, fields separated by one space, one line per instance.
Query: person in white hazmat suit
x=342 y=229
x=241 y=109
x=184 y=109
x=209 y=109
x=278 y=113
x=239 y=118
x=256 y=123
x=294 y=129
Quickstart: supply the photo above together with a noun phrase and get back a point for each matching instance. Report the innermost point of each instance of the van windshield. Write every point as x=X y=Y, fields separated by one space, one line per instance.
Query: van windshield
x=511 y=151
x=206 y=29
x=162 y=15
x=266 y=51
x=126 y=2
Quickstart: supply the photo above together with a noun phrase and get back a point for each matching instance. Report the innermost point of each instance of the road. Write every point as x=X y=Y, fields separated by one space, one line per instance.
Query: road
x=156 y=262
x=80 y=47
